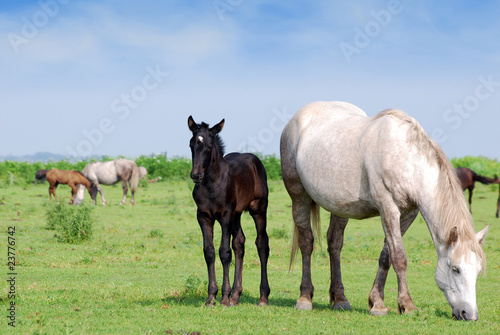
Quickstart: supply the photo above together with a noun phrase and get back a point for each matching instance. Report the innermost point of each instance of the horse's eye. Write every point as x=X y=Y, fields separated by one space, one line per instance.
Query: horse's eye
x=456 y=270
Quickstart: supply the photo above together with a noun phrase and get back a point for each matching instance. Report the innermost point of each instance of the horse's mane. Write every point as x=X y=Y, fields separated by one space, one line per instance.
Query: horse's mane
x=218 y=140
x=452 y=208
x=81 y=174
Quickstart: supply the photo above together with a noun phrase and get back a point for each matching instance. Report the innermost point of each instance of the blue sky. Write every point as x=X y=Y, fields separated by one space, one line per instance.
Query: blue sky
x=122 y=77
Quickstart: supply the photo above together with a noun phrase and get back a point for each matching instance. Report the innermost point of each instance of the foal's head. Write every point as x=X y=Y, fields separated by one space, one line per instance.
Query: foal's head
x=204 y=144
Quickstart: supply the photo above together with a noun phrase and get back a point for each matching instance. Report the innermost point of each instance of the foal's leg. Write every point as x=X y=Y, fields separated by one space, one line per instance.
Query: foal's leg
x=335 y=238
x=207 y=228
x=73 y=193
x=99 y=188
x=376 y=297
x=225 y=255
x=238 y=245
x=258 y=210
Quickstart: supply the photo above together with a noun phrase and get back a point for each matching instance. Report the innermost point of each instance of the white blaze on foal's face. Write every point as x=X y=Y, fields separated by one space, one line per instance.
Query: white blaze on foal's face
x=200 y=139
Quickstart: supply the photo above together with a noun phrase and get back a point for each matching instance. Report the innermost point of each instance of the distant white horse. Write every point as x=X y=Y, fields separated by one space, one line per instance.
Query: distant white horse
x=354 y=166
x=110 y=173
x=142 y=172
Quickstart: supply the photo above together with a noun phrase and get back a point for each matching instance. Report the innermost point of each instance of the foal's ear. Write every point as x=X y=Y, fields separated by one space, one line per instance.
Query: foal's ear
x=191 y=124
x=218 y=127
x=481 y=235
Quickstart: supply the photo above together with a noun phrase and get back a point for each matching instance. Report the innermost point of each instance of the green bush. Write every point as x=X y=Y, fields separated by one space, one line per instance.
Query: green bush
x=73 y=223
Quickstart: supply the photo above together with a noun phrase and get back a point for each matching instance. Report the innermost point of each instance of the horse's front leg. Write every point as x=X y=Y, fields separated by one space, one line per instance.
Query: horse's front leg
x=225 y=255
x=376 y=297
x=391 y=220
x=125 y=190
x=335 y=237
x=207 y=229
x=238 y=246
x=99 y=189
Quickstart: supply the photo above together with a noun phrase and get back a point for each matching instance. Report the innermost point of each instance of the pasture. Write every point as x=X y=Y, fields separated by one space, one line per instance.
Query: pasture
x=144 y=271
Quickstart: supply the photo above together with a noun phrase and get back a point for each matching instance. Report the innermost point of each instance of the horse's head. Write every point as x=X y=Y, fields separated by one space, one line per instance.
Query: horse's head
x=93 y=191
x=203 y=144
x=456 y=274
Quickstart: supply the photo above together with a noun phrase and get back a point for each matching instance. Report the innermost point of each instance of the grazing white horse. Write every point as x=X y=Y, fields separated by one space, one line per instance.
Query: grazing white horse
x=354 y=166
x=110 y=173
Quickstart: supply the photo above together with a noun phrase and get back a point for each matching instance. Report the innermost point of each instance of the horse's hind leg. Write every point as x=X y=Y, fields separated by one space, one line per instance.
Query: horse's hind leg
x=471 y=189
x=125 y=190
x=335 y=238
x=376 y=297
x=238 y=246
x=258 y=210
x=301 y=210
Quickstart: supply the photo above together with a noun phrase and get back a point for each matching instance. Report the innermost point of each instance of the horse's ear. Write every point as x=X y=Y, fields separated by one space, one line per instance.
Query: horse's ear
x=481 y=235
x=453 y=238
x=218 y=127
x=192 y=125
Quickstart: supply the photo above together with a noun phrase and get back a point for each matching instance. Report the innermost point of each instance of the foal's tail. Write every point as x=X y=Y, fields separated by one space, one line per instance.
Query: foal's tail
x=316 y=229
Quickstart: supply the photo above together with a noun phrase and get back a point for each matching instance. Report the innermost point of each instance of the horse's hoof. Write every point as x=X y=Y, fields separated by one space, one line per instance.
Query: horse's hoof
x=304 y=304
x=342 y=306
x=378 y=311
x=263 y=303
x=210 y=303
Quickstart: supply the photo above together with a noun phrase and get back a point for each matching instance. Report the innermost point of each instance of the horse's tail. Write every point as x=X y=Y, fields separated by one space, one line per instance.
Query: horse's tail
x=482 y=179
x=134 y=178
x=316 y=229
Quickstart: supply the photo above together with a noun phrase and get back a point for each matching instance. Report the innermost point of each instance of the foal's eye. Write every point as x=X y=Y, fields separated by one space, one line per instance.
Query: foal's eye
x=456 y=270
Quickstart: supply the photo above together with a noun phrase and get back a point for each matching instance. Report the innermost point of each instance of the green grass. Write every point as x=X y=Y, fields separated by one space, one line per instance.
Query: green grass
x=144 y=271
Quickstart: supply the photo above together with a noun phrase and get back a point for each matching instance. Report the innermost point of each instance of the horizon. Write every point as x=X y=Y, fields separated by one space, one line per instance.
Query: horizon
x=101 y=78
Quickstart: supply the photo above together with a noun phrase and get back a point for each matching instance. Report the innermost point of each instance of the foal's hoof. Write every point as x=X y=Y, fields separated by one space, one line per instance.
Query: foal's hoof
x=304 y=304
x=210 y=303
x=342 y=306
x=378 y=311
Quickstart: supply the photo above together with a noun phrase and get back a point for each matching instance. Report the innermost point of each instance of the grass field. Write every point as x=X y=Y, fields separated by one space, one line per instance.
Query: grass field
x=144 y=272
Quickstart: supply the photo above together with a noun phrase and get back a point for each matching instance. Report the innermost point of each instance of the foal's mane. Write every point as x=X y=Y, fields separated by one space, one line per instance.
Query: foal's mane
x=218 y=140
x=452 y=213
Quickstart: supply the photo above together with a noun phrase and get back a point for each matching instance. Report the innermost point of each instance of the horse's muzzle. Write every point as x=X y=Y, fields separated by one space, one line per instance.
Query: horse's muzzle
x=197 y=177
x=465 y=313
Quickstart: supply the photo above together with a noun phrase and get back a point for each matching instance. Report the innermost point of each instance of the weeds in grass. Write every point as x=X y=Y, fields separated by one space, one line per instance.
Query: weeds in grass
x=156 y=233
x=73 y=223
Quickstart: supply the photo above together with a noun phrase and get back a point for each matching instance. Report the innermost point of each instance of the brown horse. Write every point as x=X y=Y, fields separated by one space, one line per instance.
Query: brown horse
x=72 y=179
x=467 y=179
x=225 y=186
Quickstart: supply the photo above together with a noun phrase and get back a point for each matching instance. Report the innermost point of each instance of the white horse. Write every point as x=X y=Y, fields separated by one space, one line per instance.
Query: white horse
x=110 y=173
x=354 y=166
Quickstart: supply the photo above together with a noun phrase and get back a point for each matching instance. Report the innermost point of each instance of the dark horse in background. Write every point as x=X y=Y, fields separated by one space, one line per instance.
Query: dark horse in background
x=468 y=178
x=40 y=175
x=225 y=187
x=72 y=179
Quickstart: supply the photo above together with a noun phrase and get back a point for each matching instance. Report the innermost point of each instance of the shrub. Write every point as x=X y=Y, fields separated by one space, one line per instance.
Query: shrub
x=73 y=223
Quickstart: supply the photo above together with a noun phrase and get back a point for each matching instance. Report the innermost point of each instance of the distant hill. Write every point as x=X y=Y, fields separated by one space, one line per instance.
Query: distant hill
x=38 y=157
